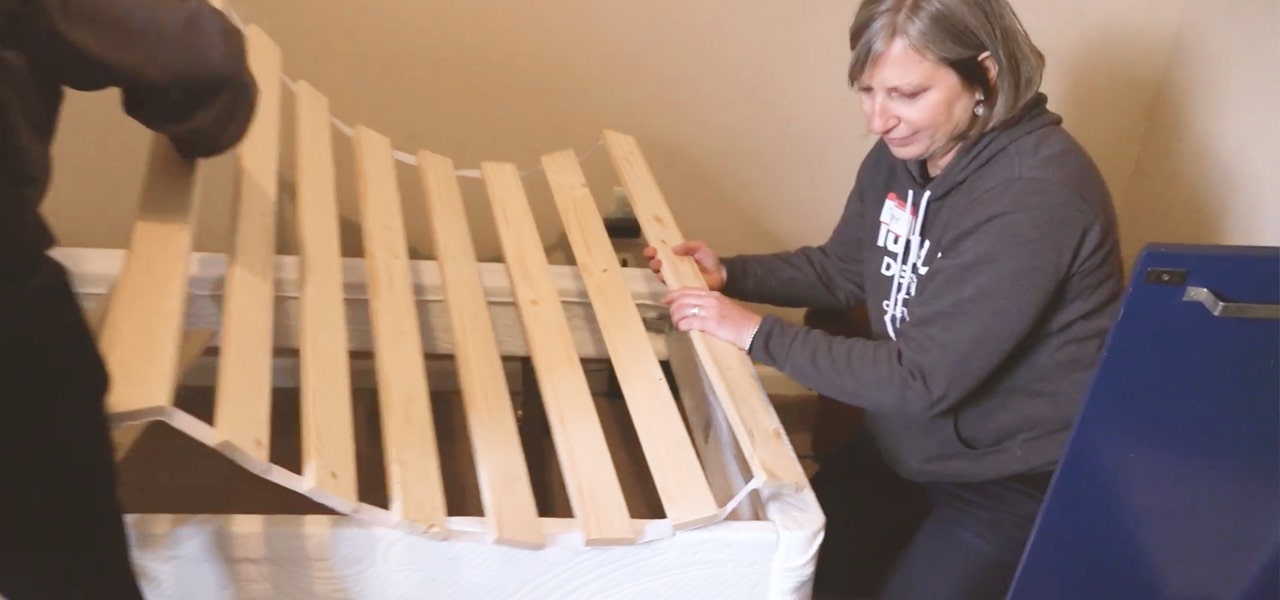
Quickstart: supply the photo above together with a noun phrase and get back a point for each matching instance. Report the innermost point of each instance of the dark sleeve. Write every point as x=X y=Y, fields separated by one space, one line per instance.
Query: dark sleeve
x=975 y=306
x=180 y=63
x=826 y=276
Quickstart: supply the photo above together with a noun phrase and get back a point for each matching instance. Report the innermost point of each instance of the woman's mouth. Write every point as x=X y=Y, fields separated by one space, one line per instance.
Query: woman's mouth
x=899 y=141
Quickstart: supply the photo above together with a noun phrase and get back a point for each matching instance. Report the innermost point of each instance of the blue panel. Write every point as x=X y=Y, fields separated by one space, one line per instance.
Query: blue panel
x=1170 y=487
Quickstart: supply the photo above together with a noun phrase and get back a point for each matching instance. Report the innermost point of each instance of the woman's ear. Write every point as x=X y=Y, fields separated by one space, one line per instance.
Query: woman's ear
x=989 y=65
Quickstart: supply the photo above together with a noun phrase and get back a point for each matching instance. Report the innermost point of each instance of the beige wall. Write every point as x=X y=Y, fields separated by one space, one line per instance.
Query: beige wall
x=1209 y=166
x=741 y=107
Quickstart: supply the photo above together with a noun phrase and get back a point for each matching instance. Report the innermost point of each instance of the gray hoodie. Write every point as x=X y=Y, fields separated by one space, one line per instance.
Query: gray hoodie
x=989 y=307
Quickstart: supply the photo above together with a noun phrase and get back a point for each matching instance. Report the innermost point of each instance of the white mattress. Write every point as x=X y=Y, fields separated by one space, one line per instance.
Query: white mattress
x=321 y=558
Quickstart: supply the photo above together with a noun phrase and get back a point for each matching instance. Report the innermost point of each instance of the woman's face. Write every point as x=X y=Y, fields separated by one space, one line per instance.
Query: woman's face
x=916 y=104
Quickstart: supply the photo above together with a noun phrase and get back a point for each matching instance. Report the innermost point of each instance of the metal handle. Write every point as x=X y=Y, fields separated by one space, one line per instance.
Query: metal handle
x=1230 y=309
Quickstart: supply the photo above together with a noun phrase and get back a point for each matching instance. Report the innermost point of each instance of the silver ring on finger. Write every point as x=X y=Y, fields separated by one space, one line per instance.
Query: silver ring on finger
x=695 y=311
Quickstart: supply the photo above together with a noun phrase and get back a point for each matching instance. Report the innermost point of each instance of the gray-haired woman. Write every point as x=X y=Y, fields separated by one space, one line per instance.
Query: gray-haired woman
x=983 y=238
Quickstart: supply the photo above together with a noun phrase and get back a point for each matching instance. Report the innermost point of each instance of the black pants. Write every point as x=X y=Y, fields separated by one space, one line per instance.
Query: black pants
x=894 y=539
x=61 y=532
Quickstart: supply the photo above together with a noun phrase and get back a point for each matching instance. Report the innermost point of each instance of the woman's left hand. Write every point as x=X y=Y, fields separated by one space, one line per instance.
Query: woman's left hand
x=712 y=312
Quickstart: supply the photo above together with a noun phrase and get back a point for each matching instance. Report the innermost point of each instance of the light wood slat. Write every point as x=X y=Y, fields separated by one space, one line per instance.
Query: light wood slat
x=242 y=407
x=590 y=478
x=505 y=487
x=142 y=329
x=194 y=342
x=328 y=442
x=416 y=489
x=686 y=496
x=732 y=375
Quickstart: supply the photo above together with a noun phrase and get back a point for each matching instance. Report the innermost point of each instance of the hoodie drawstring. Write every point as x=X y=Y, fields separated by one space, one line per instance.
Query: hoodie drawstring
x=895 y=306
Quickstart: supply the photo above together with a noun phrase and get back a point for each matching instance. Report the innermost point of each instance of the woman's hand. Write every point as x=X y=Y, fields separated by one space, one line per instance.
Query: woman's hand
x=712 y=312
x=713 y=271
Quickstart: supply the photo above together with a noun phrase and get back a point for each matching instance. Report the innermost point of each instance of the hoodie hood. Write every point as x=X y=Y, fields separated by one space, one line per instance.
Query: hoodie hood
x=975 y=155
x=970 y=159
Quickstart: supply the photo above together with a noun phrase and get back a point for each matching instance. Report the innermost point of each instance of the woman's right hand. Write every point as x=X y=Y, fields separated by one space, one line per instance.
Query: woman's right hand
x=713 y=271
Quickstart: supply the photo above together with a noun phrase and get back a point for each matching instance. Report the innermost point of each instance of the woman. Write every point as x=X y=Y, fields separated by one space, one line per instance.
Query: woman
x=181 y=67
x=983 y=239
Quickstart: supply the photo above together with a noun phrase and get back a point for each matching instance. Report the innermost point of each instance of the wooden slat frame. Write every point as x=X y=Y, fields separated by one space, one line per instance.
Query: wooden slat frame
x=416 y=488
x=730 y=370
x=242 y=407
x=151 y=293
x=589 y=474
x=686 y=495
x=505 y=487
x=143 y=342
x=328 y=444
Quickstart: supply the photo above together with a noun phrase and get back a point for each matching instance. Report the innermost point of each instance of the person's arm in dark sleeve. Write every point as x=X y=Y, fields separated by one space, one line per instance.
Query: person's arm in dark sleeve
x=180 y=63
x=973 y=310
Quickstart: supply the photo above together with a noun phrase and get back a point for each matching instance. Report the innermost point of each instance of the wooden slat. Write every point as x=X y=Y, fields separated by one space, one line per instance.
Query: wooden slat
x=242 y=407
x=328 y=443
x=686 y=496
x=590 y=478
x=413 y=461
x=732 y=375
x=193 y=344
x=505 y=488
x=142 y=330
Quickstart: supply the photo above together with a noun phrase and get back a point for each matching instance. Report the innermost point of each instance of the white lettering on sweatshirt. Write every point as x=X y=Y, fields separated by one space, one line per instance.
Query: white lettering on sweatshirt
x=899 y=235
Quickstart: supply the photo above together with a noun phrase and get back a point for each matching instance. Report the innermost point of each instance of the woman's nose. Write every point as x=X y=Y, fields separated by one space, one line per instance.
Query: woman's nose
x=879 y=119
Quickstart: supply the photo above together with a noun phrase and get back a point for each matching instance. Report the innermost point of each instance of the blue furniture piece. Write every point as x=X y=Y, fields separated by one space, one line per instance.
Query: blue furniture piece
x=1170 y=486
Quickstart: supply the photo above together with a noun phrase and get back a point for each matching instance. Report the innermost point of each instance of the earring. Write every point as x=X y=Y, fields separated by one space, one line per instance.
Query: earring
x=980 y=109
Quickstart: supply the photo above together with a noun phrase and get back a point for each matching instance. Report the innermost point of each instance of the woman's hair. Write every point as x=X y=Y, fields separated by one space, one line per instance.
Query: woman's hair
x=956 y=33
